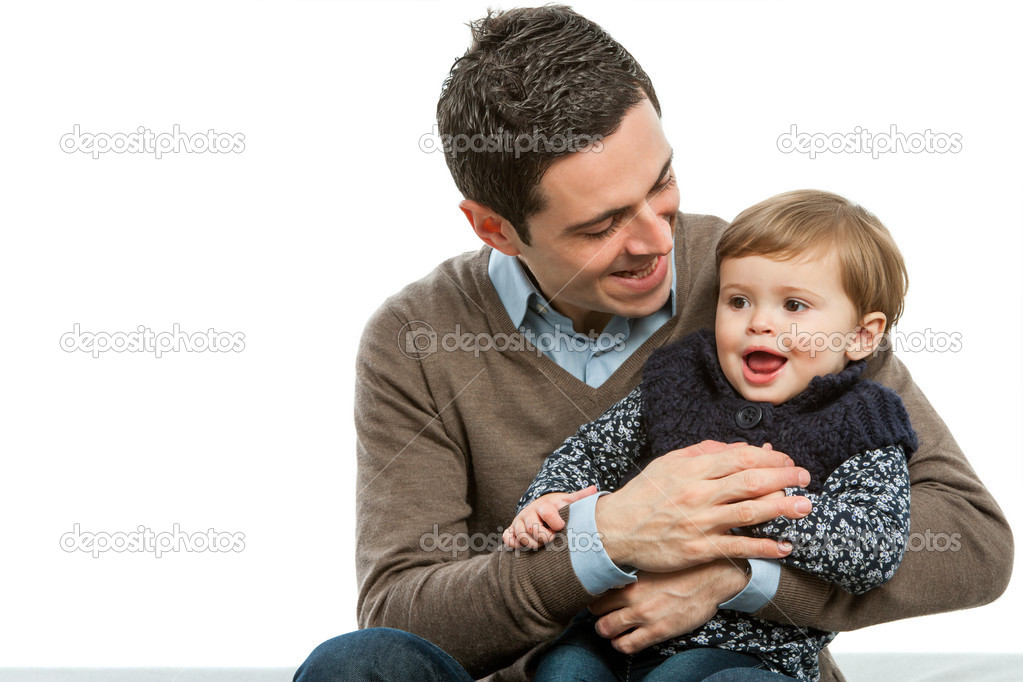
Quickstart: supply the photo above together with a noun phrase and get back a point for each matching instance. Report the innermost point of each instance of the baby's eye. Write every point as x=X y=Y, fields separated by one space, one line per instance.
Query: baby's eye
x=738 y=302
x=795 y=306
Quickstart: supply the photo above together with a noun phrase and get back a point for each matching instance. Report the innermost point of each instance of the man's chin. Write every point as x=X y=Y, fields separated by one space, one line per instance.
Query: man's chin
x=639 y=297
x=638 y=308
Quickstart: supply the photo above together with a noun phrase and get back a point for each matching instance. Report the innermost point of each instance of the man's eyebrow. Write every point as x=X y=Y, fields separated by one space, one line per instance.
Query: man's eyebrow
x=615 y=211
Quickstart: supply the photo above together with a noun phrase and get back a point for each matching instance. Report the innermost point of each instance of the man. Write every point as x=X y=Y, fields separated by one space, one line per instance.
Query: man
x=554 y=139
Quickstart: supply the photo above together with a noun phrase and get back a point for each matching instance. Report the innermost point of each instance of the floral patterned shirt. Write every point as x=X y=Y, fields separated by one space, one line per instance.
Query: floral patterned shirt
x=854 y=537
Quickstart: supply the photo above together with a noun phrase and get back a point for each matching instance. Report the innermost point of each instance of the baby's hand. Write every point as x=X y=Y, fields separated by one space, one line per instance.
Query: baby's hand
x=536 y=524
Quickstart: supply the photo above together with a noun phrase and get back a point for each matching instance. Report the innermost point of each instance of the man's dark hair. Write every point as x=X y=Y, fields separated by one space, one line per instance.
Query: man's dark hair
x=536 y=85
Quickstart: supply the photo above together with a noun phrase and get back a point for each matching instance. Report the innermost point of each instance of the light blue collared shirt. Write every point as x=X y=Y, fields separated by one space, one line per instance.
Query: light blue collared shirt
x=593 y=360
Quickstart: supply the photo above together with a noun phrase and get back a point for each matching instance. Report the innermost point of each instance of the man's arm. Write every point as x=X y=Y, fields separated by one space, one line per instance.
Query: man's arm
x=949 y=502
x=415 y=568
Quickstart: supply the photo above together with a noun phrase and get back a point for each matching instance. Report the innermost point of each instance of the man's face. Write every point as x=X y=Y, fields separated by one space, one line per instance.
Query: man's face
x=781 y=323
x=601 y=246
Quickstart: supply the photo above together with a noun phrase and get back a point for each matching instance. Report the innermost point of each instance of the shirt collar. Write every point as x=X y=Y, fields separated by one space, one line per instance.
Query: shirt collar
x=517 y=291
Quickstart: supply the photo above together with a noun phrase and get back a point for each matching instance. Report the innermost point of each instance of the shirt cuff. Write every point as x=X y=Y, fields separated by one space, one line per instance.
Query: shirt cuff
x=590 y=561
x=763 y=584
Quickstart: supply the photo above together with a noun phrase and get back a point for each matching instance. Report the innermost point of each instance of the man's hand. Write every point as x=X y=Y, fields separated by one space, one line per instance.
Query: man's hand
x=536 y=524
x=664 y=605
x=678 y=511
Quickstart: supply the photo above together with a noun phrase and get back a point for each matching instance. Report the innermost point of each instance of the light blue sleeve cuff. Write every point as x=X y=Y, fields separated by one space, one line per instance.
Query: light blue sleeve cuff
x=590 y=562
x=763 y=584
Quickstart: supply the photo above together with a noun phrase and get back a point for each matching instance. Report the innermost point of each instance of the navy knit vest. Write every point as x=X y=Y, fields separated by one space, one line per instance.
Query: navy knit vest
x=687 y=399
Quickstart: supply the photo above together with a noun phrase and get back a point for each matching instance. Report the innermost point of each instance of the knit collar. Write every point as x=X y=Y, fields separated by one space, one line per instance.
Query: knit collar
x=822 y=389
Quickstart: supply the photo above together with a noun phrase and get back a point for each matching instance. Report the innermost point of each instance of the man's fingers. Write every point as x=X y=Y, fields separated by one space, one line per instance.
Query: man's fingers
x=612 y=600
x=707 y=447
x=743 y=457
x=753 y=483
x=637 y=640
x=742 y=547
x=750 y=512
x=614 y=624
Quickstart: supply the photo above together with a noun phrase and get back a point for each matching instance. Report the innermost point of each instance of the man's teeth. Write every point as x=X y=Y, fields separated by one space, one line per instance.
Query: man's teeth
x=639 y=274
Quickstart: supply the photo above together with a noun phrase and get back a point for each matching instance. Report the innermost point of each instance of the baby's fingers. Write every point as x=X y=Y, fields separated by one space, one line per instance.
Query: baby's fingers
x=578 y=495
x=548 y=514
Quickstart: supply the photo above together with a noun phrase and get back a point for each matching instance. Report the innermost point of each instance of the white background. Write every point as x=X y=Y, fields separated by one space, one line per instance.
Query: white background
x=332 y=206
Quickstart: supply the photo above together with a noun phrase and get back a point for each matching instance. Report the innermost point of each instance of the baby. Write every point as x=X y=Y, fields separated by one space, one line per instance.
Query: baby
x=809 y=284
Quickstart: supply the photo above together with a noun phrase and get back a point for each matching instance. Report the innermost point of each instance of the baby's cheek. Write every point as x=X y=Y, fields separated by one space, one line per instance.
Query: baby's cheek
x=803 y=343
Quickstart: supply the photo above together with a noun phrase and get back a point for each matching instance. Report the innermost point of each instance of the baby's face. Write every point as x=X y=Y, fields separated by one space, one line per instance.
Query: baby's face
x=781 y=323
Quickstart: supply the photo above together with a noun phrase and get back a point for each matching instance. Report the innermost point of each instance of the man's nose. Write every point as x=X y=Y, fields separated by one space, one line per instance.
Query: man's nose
x=649 y=233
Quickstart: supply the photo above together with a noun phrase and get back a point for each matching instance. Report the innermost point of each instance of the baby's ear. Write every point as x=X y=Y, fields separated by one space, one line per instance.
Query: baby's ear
x=867 y=336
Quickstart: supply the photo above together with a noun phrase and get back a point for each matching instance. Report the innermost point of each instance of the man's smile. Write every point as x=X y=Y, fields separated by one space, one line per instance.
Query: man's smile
x=645 y=277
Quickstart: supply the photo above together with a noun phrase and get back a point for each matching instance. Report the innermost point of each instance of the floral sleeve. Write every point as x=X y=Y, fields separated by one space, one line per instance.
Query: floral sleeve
x=601 y=453
x=857 y=532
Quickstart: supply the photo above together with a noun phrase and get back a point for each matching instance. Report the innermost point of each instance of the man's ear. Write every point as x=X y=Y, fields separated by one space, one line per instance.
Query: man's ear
x=868 y=335
x=491 y=228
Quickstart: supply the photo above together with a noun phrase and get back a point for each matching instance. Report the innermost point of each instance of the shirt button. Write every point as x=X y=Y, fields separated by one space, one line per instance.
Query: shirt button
x=749 y=416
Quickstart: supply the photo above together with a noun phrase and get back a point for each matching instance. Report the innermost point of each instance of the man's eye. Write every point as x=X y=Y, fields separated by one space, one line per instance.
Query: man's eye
x=794 y=306
x=616 y=222
x=667 y=183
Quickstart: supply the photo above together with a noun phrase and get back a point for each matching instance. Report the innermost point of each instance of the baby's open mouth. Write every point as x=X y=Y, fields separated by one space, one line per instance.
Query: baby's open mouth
x=763 y=362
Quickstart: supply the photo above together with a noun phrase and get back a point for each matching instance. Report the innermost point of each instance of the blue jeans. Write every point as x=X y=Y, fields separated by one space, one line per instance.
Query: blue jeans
x=385 y=655
x=579 y=653
x=379 y=655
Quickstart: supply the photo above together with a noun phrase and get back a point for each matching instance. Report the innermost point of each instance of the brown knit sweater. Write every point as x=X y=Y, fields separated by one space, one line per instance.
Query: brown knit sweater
x=448 y=440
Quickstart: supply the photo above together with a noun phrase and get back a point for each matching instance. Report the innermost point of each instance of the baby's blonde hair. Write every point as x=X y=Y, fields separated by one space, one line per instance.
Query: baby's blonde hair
x=803 y=222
